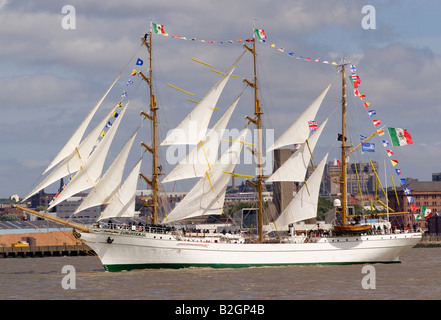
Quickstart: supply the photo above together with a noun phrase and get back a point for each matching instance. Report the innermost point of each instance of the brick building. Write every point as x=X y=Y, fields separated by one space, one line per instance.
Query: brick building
x=422 y=193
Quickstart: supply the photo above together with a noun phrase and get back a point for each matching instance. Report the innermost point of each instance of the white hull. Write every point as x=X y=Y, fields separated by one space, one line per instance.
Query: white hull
x=138 y=250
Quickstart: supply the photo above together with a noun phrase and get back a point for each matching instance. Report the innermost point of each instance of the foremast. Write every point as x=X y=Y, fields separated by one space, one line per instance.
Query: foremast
x=153 y=149
x=258 y=185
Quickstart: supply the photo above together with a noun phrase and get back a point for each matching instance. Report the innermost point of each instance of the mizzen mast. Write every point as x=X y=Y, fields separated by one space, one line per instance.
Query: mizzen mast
x=344 y=227
x=258 y=185
x=343 y=146
x=153 y=149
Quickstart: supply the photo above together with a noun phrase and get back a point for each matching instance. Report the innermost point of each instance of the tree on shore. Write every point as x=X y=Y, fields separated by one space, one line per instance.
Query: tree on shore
x=9 y=217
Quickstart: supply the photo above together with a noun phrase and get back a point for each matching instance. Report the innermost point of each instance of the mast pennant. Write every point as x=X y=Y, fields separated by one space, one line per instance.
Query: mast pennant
x=260 y=33
x=158 y=28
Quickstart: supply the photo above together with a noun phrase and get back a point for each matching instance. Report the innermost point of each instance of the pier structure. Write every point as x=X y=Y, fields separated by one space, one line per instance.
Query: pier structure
x=45 y=251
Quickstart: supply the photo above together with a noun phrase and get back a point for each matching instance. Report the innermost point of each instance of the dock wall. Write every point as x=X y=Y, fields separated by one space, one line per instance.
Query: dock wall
x=42 y=244
x=429 y=241
x=45 y=251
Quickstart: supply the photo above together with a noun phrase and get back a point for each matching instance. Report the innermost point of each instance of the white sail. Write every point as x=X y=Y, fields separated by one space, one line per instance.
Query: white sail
x=90 y=172
x=208 y=195
x=298 y=132
x=194 y=127
x=294 y=169
x=304 y=205
x=122 y=203
x=74 y=141
x=110 y=181
x=76 y=158
x=201 y=157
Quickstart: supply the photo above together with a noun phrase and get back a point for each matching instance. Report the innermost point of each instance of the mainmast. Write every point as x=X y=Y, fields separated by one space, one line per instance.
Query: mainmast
x=258 y=185
x=154 y=181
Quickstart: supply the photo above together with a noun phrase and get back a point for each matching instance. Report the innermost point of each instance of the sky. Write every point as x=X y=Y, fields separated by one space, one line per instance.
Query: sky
x=55 y=65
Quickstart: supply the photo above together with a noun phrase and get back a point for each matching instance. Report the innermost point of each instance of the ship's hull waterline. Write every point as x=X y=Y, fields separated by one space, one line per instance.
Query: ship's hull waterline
x=138 y=250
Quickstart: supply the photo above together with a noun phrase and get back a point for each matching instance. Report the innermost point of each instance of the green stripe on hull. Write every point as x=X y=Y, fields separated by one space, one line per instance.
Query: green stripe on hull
x=128 y=267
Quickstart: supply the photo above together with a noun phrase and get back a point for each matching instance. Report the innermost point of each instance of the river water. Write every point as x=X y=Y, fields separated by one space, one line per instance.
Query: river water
x=418 y=276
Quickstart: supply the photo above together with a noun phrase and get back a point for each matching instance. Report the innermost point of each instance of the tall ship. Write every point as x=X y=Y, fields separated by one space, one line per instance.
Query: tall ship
x=165 y=242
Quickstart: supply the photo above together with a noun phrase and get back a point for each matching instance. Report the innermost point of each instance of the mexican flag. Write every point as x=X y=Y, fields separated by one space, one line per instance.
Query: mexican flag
x=158 y=28
x=399 y=137
x=426 y=213
x=260 y=34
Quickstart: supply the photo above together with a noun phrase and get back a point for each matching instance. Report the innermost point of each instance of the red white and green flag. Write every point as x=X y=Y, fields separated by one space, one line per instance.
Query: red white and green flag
x=158 y=28
x=426 y=213
x=260 y=34
x=399 y=137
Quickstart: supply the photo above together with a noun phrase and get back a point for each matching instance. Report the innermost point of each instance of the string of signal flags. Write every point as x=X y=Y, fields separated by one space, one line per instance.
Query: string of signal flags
x=260 y=36
x=398 y=136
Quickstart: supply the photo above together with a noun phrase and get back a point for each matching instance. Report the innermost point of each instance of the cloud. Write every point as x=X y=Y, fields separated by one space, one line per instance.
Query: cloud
x=51 y=77
x=402 y=79
x=36 y=92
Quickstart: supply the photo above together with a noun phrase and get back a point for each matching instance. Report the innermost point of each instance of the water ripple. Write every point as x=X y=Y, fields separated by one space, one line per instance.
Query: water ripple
x=417 y=277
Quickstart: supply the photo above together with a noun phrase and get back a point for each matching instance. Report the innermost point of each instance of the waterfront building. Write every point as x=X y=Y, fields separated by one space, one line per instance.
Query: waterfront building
x=412 y=196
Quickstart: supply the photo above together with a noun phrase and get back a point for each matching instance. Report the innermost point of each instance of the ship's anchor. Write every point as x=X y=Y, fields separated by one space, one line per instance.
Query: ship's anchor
x=109 y=241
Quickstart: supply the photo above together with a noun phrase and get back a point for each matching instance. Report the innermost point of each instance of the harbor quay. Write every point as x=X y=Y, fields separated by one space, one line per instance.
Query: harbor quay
x=42 y=242
x=44 y=251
